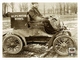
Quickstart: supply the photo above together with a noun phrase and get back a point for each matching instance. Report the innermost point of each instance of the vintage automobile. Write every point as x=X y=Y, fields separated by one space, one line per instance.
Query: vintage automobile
x=24 y=31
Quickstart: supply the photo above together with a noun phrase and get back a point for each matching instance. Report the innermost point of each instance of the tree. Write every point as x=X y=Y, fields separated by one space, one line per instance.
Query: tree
x=4 y=8
x=44 y=8
x=12 y=5
x=20 y=7
x=24 y=7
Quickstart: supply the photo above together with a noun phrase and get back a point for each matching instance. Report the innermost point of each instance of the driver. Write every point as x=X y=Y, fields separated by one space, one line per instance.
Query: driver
x=34 y=12
x=35 y=15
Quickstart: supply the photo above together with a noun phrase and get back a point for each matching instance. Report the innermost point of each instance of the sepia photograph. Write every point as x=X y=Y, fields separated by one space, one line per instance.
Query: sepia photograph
x=39 y=29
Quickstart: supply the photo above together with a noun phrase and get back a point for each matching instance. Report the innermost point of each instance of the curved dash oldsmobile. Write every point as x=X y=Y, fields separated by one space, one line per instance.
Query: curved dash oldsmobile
x=23 y=31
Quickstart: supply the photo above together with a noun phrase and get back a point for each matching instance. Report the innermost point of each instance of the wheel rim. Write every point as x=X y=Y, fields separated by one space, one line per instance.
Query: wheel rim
x=12 y=44
x=62 y=45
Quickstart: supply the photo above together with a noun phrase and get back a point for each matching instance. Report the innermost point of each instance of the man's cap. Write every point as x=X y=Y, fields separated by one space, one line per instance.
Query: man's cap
x=34 y=3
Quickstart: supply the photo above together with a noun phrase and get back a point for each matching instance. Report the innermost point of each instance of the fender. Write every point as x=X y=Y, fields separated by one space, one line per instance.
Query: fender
x=50 y=42
x=67 y=31
x=17 y=34
x=22 y=38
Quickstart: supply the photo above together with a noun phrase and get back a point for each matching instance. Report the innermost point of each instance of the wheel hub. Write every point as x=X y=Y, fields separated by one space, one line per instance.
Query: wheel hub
x=13 y=45
x=63 y=44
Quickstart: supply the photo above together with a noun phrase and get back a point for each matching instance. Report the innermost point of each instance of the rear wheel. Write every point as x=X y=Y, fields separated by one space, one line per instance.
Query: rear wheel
x=12 y=44
x=62 y=44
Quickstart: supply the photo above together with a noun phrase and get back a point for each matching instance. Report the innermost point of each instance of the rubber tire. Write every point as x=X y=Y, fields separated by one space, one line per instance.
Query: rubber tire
x=19 y=40
x=62 y=54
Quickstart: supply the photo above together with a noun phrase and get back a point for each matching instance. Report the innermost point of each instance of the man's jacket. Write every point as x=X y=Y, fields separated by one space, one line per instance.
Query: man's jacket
x=34 y=13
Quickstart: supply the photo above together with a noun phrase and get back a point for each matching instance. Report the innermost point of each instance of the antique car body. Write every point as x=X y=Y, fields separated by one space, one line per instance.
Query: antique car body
x=24 y=31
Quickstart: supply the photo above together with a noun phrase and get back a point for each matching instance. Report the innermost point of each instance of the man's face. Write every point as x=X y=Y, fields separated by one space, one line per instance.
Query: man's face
x=36 y=5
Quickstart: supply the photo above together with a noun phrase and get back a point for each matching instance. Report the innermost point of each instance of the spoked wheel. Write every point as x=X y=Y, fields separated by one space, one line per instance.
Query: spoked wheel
x=62 y=44
x=12 y=44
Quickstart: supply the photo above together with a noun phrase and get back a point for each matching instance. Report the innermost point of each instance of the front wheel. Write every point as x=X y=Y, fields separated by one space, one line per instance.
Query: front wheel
x=12 y=44
x=61 y=44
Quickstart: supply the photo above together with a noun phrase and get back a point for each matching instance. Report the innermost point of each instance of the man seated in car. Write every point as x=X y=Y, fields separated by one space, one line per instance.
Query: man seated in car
x=35 y=15
x=34 y=12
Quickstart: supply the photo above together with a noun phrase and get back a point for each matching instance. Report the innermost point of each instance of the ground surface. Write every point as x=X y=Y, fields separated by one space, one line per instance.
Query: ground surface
x=36 y=50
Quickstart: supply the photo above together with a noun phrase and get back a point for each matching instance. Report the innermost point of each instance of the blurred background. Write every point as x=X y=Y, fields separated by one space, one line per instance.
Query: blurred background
x=63 y=8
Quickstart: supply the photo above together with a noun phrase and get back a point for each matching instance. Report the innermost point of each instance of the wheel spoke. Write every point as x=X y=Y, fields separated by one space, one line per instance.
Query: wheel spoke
x=64 y=50
x=60 y=49
x=10 y=49
x=67 y=41
x=57 y=44
x=18 y=45
x=15 y=49
x=59 y=41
